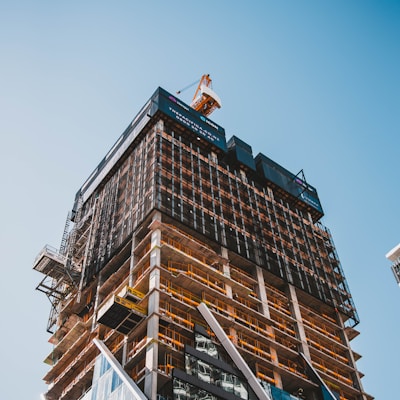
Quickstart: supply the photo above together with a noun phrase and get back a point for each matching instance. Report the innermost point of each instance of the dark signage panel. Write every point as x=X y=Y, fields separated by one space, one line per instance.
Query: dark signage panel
x=288 y=181
x=196 y=122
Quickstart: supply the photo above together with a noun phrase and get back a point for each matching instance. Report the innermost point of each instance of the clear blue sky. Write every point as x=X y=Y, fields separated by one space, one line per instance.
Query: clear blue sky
x=312 y=84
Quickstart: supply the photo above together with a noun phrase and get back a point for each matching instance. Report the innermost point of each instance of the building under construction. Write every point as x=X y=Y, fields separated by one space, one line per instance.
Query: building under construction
x=190 y=269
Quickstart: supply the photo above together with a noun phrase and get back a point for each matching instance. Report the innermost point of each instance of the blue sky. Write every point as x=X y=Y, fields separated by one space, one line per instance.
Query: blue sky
x=314 y=85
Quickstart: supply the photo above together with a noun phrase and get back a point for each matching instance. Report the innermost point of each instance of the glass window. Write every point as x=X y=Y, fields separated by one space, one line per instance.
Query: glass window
x=104 y=366
x=205 y=345
x=116 y=381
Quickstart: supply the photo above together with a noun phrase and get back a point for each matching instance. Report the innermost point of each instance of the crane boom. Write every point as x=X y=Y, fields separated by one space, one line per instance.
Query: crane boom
x=205 y=100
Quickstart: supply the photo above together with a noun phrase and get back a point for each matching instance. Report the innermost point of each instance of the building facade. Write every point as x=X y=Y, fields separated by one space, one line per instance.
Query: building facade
x=190 y=269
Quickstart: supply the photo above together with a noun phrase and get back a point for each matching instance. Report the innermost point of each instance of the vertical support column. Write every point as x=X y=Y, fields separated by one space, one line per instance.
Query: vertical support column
x=265 y=311
x=96 y=302
x=132 y=261
x=229 y=294
x=150 y=383
x=262 y=292
x=124 y=351
x=296 y=314
x=226 y=271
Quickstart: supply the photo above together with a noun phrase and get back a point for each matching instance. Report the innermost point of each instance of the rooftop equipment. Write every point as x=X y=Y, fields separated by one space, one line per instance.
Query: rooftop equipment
x=205 y=100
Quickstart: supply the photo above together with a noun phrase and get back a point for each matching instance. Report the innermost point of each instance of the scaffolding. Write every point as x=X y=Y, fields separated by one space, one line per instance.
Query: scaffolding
x=56 y=283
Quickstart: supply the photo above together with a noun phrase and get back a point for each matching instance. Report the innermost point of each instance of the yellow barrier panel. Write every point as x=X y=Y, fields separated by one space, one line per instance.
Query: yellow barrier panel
x=129 y=304
x=135 y=292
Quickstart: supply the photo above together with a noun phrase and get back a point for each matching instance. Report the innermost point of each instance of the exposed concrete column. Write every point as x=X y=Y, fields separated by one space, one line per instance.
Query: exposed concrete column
x=97 y=302
x=132 y=260
x=226 y=270
x=262 y=293
x=155 y=244
x=150 y=383
x=296 y=314
x=160 y=126
x=225 y=255
x=124 y=351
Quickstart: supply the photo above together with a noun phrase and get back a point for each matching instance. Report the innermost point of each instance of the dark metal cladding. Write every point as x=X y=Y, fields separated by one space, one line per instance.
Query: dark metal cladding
x=242 y=152
x=294 y=184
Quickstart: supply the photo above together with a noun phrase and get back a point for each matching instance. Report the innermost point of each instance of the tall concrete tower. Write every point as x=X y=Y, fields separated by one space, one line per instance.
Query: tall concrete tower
x=190 y=269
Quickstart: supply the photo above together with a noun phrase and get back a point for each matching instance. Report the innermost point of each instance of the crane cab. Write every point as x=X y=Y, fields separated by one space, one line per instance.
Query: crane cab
x=205 y=100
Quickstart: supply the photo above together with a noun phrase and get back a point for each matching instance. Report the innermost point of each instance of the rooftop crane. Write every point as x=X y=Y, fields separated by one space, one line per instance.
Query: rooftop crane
x=205 y=100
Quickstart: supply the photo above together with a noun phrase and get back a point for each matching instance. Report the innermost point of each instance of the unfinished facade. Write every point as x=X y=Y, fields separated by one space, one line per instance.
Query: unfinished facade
x=192 y=270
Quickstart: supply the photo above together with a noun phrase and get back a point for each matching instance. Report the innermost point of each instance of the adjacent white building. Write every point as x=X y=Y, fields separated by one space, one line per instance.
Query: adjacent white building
x=394 y=256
